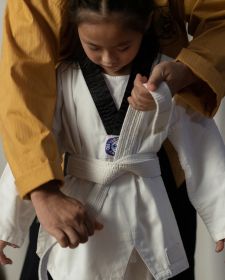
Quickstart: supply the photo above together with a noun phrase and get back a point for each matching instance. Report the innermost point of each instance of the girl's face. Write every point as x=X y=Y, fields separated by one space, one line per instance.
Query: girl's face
x=110 y=45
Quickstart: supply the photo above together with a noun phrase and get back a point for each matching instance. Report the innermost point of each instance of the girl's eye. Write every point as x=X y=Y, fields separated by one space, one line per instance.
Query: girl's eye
x=94 y=48
x=123 y=49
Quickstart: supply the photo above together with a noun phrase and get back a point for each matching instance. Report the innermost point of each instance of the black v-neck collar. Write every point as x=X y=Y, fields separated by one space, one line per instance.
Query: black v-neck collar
x=112 y=118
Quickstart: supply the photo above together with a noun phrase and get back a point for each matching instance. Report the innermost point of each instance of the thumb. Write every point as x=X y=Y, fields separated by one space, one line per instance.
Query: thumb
x=156 y=78
x=98 y=226
x=140 y=80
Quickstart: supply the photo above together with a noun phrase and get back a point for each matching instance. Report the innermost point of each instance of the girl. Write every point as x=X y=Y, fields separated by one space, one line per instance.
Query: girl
x=111 y=150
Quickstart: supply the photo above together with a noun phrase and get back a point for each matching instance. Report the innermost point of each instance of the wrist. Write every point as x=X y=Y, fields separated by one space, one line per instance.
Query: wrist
x=50 y=187
x=188 y=74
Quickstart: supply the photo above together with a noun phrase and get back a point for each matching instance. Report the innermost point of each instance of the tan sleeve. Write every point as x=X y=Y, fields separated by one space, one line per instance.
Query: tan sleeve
x=30 y=52
x=205 y=55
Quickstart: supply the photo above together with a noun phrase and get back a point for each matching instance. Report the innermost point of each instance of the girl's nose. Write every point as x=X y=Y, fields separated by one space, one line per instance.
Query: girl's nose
x=108 y=58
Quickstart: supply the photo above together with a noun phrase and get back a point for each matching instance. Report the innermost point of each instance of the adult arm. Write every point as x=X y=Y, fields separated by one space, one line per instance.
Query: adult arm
x=205 y=55
x=30 y=53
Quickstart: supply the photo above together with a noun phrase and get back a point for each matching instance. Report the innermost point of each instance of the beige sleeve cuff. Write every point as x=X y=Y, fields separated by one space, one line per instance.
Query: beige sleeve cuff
x=40 y=175
x=207 y=73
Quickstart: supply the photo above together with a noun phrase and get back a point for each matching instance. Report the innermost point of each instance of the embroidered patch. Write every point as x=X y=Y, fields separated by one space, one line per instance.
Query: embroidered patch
x=111 y=145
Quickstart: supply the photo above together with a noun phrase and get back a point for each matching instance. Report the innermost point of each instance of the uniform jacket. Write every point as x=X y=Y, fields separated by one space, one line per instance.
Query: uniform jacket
x=35 y=37
x=124 y=189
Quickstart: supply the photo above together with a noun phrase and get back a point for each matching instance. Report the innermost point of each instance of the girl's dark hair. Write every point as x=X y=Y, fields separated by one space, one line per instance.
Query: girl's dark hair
x=134 y=13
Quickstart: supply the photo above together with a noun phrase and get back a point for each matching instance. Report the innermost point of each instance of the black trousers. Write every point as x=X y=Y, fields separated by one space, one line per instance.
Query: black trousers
x=184 y=212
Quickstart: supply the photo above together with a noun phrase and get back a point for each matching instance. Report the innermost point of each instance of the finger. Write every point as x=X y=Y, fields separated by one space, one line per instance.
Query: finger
x=13 y=245
x=130 y=100
x=144 y=79
x=89 y=225
x=140 y=80
x=82 y=231
x=132 y=103
x=148 y=107
x=140 y=95
x=4 y=260
x=72 y=236
x=140 y=91
x=144 y=106
x=60 y=237
x=156 y=77
x=219 y=246
x=10 y=244
x=98 y=225
x=143 y=100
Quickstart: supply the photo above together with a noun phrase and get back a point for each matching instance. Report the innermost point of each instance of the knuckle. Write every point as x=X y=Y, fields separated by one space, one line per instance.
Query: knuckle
x=133 y=92
x=81 y=210
x=84 y=239
x=62 y=239
x=75 y=242
x=73 y=246
x=91 y=231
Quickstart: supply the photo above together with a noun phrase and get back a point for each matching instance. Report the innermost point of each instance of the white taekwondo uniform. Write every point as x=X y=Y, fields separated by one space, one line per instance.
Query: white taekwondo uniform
x=125 y=190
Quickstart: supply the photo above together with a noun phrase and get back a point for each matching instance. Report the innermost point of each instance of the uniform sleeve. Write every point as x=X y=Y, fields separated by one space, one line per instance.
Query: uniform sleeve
x=202 y=156
x=17 y=215
x=205 y=55
x=30 y=53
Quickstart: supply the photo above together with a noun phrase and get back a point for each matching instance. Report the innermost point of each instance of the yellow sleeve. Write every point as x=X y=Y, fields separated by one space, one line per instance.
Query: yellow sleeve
x=205 y=55
x=30 y=52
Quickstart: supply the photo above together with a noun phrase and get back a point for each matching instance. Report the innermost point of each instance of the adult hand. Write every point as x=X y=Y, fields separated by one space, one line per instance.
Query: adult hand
x=3 y=258
x=141 y=99
x=176 y=74
x=63 y=217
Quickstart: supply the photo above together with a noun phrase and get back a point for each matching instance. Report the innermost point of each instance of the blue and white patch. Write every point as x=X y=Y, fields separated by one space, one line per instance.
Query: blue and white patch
x=111 y=145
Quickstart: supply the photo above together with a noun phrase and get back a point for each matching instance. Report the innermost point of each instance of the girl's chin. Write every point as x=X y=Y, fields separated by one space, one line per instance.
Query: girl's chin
x=116 y=70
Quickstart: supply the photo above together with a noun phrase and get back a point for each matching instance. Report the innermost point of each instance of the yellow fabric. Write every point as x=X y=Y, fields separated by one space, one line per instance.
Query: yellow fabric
x=205 y=55
x=27 y=73
x=33 y=34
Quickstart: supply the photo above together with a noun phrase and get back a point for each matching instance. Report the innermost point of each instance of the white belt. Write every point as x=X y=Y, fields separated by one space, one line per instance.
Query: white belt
x=104 y=172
